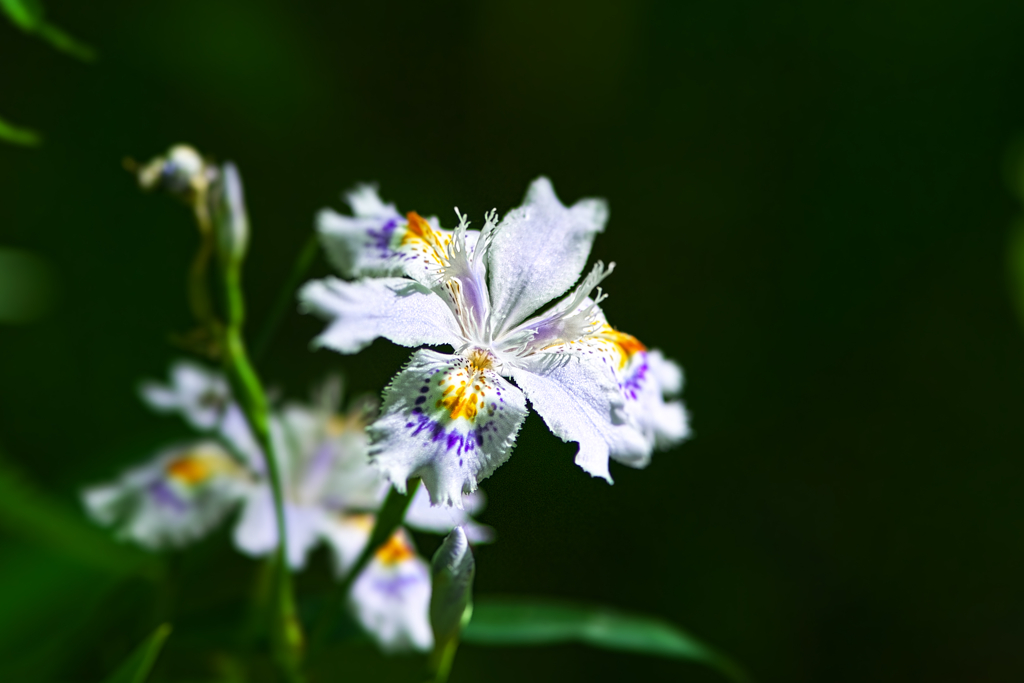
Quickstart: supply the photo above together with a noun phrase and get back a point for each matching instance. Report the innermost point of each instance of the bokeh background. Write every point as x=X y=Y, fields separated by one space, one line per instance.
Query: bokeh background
x=809 y=210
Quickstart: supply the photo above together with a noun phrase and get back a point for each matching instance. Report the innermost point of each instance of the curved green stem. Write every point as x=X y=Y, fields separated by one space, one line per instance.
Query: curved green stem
x=287 y=634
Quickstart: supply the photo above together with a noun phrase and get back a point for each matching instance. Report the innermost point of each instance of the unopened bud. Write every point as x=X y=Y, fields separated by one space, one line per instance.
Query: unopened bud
x=230 y=219
x=182 y=171
x=451 y=598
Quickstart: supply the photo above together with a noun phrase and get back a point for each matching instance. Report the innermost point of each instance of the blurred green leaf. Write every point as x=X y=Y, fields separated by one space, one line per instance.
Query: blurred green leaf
x=27 y=285
x=26 y=14
x=47 y=604
x=18 y=135
x=30 y=17
x=538 y=621
x=40 y=519
x=65 y=43
x=138 y=665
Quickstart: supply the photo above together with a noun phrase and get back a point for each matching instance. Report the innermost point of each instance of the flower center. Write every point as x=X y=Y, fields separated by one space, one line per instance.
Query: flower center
x=480 y=359
x=464 y=389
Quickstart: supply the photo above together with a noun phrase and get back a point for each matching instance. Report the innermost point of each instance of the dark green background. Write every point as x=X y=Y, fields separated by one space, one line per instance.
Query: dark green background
x=808 y=211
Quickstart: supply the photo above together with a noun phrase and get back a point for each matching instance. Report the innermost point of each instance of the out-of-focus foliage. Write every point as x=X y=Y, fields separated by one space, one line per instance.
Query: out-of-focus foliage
x=533 y=621
x=30 y=17
x=1016 y=266
x=27 y=286
x=18 y=134
x=137 y=667
x=36 y=517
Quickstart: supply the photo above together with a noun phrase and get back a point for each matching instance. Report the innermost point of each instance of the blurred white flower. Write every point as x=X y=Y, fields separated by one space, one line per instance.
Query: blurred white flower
x=203 y=398
x=327 y=484
x=391 y=598
x=176 y=498
x=331 y=491
x=452 y=419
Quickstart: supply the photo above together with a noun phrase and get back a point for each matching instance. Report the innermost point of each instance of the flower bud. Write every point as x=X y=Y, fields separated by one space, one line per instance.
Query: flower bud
x=182 y=172
x=230 y=219
x=451 y=599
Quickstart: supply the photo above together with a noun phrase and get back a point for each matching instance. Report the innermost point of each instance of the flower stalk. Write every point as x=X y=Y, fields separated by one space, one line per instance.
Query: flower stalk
x=216 y=197
x=230 y=223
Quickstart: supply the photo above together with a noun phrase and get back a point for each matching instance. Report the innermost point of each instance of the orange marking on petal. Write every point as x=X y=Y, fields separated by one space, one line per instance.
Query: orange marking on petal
x=418 y=228
x=626 y=344
x=461 y=404
x=190 y=469
x=432 y=243
x=396 y=550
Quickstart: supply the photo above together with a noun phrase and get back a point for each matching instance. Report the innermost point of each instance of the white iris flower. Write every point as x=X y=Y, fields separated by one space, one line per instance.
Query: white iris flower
x=452 y=418
x=175 y=499
x=331 y=492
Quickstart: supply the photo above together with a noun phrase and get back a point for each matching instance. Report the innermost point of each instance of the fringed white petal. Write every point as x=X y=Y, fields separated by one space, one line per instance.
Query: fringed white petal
x=395 y=308
x=539 y=251
x=448 y=419
x=646 y=377
x=378 y=241
x=580 y=401
x=359 y=245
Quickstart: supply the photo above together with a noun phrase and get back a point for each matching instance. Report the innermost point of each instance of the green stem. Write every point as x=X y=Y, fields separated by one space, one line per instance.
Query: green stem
x=287 y=630
x=441 y=660
x=198 y=290
x=285 y=297
x=390 y=516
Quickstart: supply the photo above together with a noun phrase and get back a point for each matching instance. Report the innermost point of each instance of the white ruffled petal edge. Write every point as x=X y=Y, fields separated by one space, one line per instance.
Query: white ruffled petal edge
x=405 y=312
x=580 y=401
x=539 y=250
x=446 y=422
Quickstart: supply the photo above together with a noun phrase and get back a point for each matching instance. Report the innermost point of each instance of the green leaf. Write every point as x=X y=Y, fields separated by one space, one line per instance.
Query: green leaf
x=47 y=603
x=65 y=43
x=136 y=668
x=42 y=520
x=30 y=17
x=18 y=135
x=25 y=14
x=538 y=621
